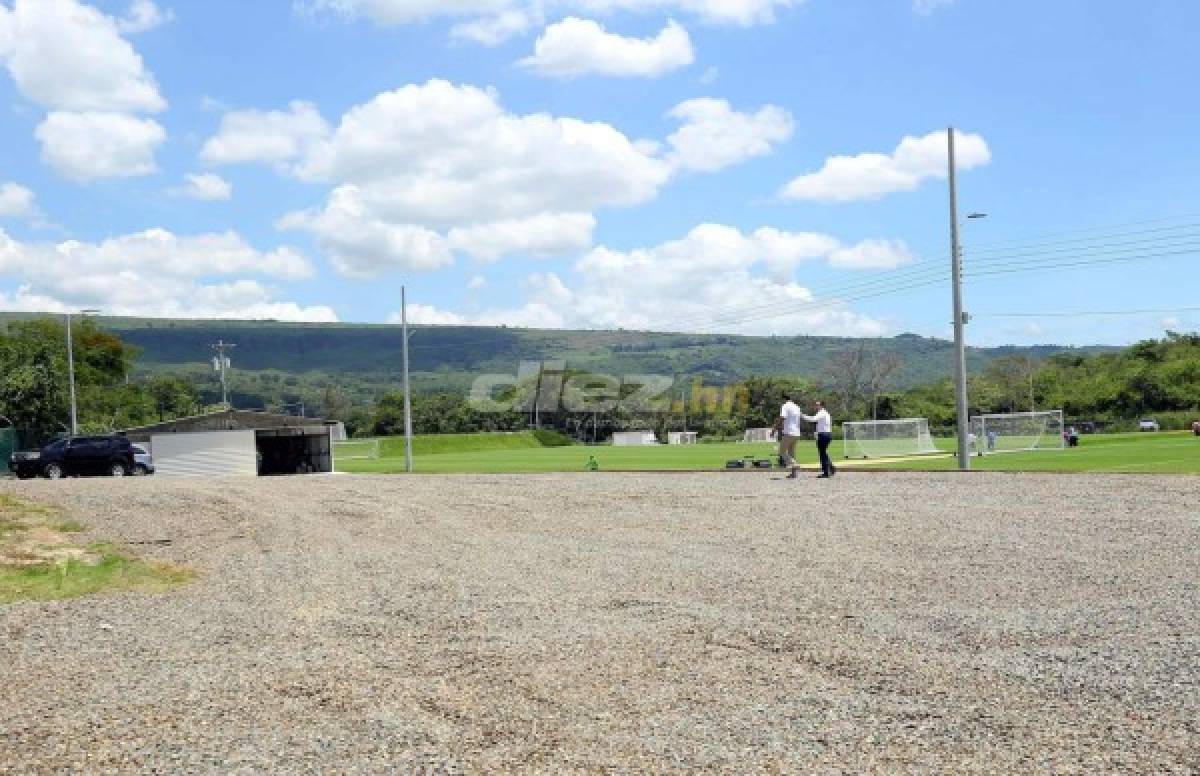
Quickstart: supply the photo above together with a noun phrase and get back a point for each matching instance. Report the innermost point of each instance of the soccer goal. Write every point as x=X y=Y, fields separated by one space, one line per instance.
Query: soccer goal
x=1014 y=432
x=887 y=438
x=356 y=449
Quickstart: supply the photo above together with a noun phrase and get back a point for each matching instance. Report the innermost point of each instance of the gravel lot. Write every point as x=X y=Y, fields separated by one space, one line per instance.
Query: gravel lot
x=620 y=622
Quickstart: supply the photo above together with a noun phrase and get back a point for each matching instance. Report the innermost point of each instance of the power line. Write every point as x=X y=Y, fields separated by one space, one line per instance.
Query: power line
x=1090 y=313
x=1095 y=230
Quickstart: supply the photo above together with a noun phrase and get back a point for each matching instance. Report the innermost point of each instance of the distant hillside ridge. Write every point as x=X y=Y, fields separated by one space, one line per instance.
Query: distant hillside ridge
x=450 y=354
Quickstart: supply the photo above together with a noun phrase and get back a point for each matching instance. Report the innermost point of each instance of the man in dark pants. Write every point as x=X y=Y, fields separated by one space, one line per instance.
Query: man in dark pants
x=824 y=438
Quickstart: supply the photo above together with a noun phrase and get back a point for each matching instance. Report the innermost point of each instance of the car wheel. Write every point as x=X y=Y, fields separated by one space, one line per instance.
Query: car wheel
x=140 y=470
x=117 y=470
x=54 y=471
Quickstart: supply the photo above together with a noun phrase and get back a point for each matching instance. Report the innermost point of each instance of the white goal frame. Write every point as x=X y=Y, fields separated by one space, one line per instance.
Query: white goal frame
x=1018 y=432
x=369 y=448
x=887 y=438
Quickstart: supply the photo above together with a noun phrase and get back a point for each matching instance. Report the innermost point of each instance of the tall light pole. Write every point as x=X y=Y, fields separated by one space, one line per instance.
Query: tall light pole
x=221 y=365
x=71 y=371
x=408 y=461
x=960 y=345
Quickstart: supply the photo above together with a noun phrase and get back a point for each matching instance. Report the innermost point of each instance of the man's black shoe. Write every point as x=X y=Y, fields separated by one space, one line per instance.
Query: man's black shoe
x=822 y=476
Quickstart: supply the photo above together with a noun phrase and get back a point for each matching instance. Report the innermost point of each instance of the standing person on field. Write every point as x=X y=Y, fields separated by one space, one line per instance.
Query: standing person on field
x=824 y=438
x=787 y=426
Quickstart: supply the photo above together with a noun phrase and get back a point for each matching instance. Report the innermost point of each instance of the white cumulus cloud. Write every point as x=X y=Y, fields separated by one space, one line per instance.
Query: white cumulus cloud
x=872 y=254
x=427 y=171
x=544 y=235
x=206 y=187
x=143 y=16
x=86 y=146
x=16 y=201
x=494 y=30
x=65 y=55
x=716 y=278
x=273 y=137
x=713 y=136
x=156 y=273
x=575 y=47
x=743 y=13
x=70 y=58
x=870 y=176
x=390 y=13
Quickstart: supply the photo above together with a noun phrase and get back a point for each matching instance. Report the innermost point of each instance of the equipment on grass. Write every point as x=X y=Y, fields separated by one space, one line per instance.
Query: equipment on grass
x=887 y=438
x=356 y=449
x=736 y=463
x=1014 y=432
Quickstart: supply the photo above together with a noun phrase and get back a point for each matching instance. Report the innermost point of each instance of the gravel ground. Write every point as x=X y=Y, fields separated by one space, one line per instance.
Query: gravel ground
x=623 y=622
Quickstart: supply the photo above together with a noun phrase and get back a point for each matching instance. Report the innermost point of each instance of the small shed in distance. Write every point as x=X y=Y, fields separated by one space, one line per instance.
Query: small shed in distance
x=634 y=438
x=232 y=442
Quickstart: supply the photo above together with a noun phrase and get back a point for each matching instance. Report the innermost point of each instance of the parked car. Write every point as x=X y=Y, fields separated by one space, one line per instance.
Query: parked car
x=77 y=457
x=1149 y=424
x=143 y=462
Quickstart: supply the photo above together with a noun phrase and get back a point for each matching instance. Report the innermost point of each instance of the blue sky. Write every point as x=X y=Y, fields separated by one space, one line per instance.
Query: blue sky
x=758 y=166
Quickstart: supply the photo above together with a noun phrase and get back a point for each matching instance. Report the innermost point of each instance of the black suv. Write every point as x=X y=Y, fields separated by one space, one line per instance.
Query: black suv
x=77 y=457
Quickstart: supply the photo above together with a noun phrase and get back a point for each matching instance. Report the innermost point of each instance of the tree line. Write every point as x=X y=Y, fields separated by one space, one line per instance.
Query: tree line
x=1159 y=377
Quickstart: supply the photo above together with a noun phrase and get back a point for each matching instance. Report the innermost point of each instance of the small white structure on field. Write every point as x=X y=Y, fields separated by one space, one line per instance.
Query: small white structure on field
x=757 y=435
x=682 y=437
x=634 y=438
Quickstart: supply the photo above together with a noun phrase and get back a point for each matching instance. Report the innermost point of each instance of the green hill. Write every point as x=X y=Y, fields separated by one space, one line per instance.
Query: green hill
x=449 y=357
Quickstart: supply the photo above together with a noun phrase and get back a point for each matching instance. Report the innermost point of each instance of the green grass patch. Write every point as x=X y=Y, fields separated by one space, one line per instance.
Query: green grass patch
x=40 y=561
x=1134 y=453
x=1145 y=453
x=70 y=578
x=438 y=444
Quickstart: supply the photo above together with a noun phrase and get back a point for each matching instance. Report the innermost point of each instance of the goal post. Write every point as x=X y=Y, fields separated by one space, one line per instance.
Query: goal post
x=887 y=438
x=1015 y=432
x=356 y=449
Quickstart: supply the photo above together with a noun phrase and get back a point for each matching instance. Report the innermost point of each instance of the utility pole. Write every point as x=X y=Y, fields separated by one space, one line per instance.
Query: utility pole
x=960 y=319
x=408 y=461
x=71 y=377
x=221 y=365
x=71 y=371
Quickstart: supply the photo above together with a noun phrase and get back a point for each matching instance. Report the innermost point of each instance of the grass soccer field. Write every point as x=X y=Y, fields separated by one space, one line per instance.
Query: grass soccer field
x=1136 y=453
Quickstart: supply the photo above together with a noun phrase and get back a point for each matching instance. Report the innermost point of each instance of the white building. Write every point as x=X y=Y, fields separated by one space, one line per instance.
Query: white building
x=634 y=438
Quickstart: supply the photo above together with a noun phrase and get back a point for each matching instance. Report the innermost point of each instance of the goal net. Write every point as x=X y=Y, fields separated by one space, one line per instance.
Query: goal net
x=353 y=449
x=1017 y=431
x=887 y=438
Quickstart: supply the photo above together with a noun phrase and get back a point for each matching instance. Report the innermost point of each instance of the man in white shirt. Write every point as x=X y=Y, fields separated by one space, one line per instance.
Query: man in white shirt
x=787 y=426
x=824 y=438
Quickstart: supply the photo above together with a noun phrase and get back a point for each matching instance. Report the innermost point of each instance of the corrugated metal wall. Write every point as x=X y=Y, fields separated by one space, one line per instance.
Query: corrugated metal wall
x=205 y=454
